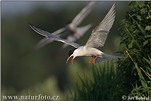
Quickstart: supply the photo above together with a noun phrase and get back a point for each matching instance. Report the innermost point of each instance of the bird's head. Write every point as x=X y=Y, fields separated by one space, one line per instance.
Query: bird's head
x=71 y=55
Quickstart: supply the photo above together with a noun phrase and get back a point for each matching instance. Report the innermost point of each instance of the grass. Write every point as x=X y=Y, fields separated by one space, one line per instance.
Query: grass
x=105 y=84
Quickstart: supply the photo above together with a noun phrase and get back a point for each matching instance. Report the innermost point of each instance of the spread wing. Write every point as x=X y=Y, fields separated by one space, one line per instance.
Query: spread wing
x=65 y=41
x=52 y=37
x=83 y=13
x=99 y=34
x=39 y=31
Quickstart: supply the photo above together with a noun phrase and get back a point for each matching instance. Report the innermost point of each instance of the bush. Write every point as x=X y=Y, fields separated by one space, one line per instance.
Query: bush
x=136 y=47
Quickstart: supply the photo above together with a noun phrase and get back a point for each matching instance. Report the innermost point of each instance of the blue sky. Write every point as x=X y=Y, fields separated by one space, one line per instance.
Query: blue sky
x=22 y=7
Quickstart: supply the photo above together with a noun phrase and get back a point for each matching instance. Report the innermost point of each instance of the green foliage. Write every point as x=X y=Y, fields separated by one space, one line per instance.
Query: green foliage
x=105 y=84
x=136 y=29
x=48 y=88
x=136 y=47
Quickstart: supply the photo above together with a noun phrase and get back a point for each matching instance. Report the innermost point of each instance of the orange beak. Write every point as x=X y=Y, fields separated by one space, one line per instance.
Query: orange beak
x=72 y=59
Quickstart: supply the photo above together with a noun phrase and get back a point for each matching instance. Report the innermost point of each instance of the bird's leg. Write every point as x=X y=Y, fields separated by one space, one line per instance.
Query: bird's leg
x=92 y=59
x=72 y=60
x=96 y=58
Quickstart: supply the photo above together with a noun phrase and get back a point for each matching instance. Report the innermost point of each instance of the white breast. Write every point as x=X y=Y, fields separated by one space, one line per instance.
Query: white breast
x=87 y=51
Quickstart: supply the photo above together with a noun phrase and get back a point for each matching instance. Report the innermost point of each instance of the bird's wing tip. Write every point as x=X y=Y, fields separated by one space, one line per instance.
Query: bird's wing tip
x=30 y=24
x=114 y=3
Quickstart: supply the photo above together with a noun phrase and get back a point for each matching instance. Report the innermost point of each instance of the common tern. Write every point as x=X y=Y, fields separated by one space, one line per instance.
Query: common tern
x=97 y=39
x=72 y=27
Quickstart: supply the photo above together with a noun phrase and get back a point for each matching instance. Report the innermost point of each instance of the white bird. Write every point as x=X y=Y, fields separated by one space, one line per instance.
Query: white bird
x=72 y=27
x=97 y=39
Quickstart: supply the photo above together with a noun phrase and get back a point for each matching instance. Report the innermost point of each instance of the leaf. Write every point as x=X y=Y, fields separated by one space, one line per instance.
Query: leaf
x=147 y=36
x=145 y=42
x=141 y=77
x=139 y=17
x=139 y=26
x=131 y=44
x=148 y=28
x=149 y=62
x=143 y=10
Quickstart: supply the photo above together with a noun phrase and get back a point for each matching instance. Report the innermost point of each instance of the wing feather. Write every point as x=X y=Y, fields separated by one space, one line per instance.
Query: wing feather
x=83 y=13
x=53 y=37
x=39 y=31
x=65 y=41
x=99 y=34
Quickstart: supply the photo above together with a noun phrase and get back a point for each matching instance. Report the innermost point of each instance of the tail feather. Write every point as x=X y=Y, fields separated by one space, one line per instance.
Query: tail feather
x=107 y=57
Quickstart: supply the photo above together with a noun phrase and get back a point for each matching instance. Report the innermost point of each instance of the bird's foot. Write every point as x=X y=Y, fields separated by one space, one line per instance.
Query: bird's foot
x=92 y=60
